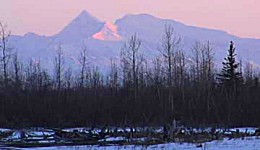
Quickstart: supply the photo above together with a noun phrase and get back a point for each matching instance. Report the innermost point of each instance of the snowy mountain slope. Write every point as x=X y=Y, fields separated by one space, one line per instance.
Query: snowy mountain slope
x=151 y=29
x=109 y=32
x=104 y=40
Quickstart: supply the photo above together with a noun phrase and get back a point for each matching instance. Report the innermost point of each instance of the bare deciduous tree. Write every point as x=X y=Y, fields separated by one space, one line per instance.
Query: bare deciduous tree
x=169 y=46
x=17 y=67
x=83 y=60
x=114 y=76
x=59 y=63
x=131 y=60
x=5 y=50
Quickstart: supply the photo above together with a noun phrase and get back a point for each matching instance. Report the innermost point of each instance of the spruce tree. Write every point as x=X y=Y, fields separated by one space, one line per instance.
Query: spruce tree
x=230 y=75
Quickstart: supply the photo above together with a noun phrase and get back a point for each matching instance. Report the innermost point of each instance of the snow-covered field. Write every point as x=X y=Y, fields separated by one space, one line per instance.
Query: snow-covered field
x=250 y=140
x=249 y=143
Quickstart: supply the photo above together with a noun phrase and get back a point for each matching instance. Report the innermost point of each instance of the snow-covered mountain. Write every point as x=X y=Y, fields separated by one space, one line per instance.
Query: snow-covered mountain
x=104 y=40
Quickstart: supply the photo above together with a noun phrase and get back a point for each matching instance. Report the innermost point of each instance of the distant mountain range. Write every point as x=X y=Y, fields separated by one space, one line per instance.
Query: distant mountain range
x=104 y=40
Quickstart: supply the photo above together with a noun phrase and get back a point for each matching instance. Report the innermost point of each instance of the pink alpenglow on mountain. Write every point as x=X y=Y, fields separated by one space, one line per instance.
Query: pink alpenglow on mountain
x=108 y=33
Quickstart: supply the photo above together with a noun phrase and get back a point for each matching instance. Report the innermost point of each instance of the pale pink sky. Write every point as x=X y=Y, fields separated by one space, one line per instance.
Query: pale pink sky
x=239 y=17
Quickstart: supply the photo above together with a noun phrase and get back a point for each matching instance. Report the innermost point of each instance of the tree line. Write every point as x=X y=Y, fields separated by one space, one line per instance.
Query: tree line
x=136 y=91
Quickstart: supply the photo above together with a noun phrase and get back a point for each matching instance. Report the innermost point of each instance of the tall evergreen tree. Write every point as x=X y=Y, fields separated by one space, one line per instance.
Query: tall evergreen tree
x=230 y=75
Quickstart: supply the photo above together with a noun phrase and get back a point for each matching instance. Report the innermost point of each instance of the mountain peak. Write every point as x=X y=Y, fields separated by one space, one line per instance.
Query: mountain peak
x=84 y=12
x=145 y=18
x=138 y=17
x=85 y=15
x=83 y=26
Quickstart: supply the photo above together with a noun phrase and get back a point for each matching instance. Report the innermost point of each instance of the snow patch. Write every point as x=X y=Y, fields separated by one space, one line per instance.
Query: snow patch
x=250 y=143
x=108 y=33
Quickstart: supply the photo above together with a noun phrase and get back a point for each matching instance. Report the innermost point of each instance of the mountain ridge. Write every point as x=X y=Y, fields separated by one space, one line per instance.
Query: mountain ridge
x=82 y=28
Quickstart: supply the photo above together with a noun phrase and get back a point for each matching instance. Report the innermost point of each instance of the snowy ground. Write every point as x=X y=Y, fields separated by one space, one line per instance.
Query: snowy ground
x=249 y=143
x=41 y=135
